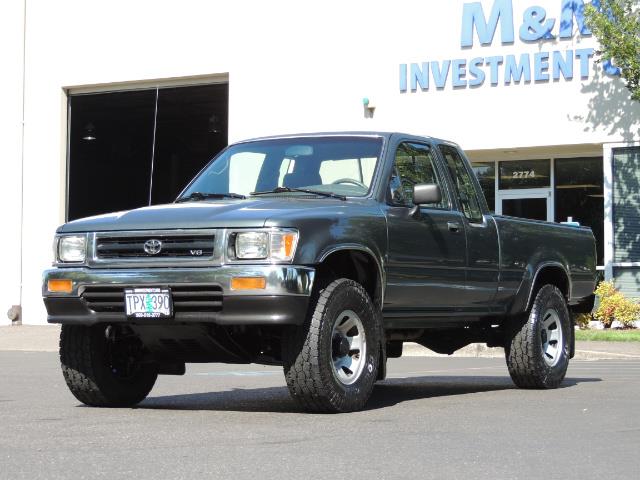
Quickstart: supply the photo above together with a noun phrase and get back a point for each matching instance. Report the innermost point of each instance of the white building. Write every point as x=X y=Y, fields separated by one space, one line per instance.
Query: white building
x=92 y=119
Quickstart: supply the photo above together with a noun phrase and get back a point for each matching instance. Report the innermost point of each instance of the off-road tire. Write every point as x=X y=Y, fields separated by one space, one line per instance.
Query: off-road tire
x=89 y=375
x=307 y=351
x=524 y=347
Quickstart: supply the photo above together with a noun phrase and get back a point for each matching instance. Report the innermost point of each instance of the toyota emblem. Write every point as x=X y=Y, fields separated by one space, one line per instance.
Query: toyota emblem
x=153 y=246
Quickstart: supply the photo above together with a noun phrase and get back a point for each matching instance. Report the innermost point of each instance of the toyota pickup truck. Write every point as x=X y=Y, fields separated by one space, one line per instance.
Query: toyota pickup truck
x=322 y=253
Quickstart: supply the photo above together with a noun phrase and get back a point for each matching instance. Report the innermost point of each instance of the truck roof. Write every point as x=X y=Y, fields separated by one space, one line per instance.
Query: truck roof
x=365 y=133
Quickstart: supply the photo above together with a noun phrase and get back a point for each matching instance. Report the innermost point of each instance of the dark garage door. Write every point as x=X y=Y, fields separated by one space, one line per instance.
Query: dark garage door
x=140 y=147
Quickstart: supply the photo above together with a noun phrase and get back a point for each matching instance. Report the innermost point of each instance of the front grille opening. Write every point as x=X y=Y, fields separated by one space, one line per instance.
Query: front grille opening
x=197 y=299
x=190 y=298
x=172 y=246
x=104 y=299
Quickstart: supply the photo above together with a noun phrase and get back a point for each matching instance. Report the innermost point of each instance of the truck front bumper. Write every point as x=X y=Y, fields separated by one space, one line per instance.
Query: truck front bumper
x=284 y=299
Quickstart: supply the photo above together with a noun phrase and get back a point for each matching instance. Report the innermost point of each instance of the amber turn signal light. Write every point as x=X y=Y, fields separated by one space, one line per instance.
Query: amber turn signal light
x=248 y=283
x=60 y=286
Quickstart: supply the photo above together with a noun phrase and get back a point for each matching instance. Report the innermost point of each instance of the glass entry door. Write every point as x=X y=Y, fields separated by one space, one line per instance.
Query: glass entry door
x=532 y=205
x=524 y=189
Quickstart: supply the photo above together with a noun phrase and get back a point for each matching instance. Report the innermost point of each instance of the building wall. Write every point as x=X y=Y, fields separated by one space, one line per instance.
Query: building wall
x=292 y=67
x=11 y=33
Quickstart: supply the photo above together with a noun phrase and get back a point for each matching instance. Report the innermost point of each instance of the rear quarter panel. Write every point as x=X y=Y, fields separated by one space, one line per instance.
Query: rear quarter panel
x=527 y=246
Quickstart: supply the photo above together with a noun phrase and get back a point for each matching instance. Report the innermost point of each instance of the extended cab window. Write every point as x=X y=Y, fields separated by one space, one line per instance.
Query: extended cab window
x=414 y=164
x=462 y=184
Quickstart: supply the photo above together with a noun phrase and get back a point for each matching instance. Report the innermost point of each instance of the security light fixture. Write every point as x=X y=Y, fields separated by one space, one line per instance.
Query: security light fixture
x=89 y=132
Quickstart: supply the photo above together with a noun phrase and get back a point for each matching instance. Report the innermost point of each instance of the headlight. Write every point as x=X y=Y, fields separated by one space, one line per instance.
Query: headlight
x=252 y=245
x=267 y=245
x=72 y=248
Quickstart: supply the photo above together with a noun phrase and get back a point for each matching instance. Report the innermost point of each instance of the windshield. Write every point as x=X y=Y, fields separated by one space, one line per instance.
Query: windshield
x=340 y=165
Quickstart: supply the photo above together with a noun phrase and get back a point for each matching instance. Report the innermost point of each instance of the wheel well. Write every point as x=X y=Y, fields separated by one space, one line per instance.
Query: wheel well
x=355 y=265
x=550 y=275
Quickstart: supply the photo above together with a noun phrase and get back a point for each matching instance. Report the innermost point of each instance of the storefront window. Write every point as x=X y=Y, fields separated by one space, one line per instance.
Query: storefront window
x=525 y=174
x=486 y=173
x=579 y=194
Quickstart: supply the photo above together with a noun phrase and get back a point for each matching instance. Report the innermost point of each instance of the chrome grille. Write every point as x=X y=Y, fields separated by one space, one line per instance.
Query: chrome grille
x=186 y=298
x=172 y=246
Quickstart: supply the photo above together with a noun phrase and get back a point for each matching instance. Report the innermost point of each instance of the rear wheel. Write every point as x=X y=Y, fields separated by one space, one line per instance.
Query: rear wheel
x=103 y=369
x=537 y=349
x=331 y=362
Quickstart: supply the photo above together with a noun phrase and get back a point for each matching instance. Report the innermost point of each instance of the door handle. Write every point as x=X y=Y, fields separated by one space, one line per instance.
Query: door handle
x=453 y=227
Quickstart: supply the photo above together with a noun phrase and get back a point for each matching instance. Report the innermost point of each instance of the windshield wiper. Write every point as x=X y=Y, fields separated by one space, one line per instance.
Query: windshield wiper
x=204 y=196
x=302 y=190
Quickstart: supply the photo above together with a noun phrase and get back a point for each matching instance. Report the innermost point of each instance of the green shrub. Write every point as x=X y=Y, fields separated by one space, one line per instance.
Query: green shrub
x=582 y=320
x=615 y=306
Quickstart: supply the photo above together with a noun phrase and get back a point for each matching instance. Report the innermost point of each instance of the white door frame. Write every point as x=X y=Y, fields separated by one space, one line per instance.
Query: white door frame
x=525 y=193
x=607 y=160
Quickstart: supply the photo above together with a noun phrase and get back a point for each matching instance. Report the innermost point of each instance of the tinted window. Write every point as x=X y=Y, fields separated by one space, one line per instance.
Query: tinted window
x=463 y=184
x=414 y=164
x=486 y=174
x=525 y=174
x=580 y=195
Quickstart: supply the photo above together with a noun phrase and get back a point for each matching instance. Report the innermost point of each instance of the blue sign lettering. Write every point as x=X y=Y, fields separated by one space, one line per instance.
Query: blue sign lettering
x=440 y=74
x=419 y=76
x=515 y=71
x=459 y=72
x=534 y=26
x=562 y=64
x=476 y=72
x=473 y=16
x=403 y=77
x=584 y=54
x=494 y=63
x=570 y=9
x=541 y=67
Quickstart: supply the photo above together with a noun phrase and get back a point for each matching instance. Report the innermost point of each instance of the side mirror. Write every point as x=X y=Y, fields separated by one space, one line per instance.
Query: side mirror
x=425 y=193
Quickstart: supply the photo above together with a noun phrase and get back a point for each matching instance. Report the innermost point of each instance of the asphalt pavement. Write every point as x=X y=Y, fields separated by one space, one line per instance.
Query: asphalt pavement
x=434 y=418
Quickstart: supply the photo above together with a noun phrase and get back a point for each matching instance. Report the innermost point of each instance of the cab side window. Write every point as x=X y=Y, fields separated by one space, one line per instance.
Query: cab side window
x=414 y=164
x=462 y=184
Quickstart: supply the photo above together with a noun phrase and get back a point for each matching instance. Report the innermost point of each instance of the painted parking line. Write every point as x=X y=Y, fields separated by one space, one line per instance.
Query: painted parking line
x=261 y=373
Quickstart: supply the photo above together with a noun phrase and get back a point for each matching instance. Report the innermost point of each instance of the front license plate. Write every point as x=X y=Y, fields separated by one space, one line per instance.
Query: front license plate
x=148 y=302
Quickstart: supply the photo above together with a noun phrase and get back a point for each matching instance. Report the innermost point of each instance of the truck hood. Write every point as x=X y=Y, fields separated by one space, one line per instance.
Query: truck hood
x=251 y=213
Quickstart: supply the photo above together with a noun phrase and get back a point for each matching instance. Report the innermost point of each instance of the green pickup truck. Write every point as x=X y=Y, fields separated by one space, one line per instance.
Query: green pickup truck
x=322 y=253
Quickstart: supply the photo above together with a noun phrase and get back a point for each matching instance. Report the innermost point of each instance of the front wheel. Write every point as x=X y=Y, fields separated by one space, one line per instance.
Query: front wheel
x=102 y=369
x=331 y=361
x=537 y=350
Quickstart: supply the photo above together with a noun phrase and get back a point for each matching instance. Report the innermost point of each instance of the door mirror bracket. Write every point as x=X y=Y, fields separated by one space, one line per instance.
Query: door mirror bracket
x=423 y=194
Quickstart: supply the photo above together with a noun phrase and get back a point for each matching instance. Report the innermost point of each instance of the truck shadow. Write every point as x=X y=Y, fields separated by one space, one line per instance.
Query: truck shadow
x=385 y=394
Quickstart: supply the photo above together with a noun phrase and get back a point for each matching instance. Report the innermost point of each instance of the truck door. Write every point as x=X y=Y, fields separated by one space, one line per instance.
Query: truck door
x=482 y=235
x=426 y=261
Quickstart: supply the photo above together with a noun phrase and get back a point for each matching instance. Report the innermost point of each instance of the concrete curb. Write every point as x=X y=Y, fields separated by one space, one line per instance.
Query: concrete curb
x=44 y=338
x=30 y=338
x=480 y=350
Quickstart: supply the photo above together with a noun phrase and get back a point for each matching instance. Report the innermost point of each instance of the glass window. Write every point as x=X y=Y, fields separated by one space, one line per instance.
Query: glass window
x=342 y=165
x=357 y=169
x=244 y=169
x=532 y=208
x=580 y=195
x=486 y=174
x=525 y=174
x=463 y=184
x=414 y=165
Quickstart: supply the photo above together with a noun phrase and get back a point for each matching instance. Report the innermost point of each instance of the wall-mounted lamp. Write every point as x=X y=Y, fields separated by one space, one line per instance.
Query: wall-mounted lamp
x=89 y=132
x=369 y=108
x=214 y=124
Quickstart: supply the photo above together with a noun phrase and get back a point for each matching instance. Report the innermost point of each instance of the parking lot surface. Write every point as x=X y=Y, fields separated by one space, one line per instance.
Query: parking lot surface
x=432 y=418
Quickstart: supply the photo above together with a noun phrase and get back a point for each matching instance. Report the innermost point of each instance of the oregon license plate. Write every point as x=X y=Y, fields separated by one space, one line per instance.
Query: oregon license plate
x=148 y=302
